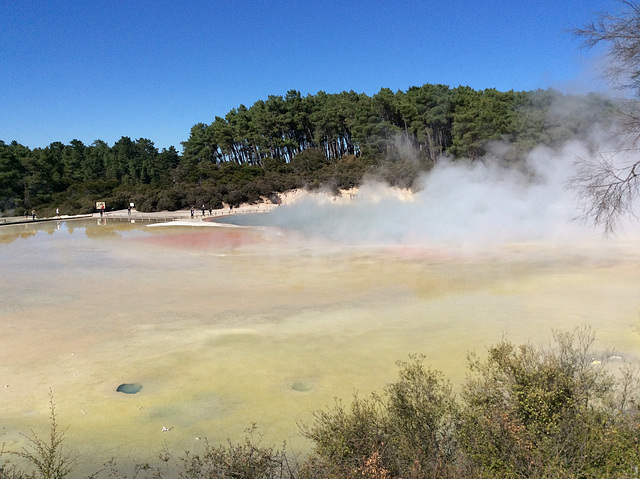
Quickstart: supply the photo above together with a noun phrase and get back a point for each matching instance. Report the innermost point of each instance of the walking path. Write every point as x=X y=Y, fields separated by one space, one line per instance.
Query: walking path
x=157 y=216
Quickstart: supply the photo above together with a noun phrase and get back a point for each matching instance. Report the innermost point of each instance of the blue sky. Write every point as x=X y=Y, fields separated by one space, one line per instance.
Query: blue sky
x=92 y=70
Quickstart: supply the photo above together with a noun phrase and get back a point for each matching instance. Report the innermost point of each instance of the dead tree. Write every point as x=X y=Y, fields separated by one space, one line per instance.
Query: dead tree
x=606 y=185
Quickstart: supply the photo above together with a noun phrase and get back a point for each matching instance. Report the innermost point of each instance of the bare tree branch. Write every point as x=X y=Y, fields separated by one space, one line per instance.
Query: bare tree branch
x=621 y=35
x=605 y=191
x=606 y=187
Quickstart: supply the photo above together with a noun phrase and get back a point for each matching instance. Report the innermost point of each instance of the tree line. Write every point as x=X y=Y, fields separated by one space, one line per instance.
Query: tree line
x=293 y=141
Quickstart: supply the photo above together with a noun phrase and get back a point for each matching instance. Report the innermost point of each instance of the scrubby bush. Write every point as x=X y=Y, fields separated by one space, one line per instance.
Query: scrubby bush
x=407 y=429
x=168 y=200
x=529 y=411
x=246 y=460
x=309 y=160
x=46 y=457
x=524 y=411
x=558 y=411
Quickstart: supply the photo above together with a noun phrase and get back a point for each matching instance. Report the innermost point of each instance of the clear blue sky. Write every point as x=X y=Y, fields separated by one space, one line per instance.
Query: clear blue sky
x=99 y=69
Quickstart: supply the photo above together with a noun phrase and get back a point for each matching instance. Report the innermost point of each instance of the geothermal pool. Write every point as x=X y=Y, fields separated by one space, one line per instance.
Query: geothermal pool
x=225 y=327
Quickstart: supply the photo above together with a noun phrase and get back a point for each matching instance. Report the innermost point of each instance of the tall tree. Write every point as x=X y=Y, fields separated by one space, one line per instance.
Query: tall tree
x=147 y=155
x=11 y=175
x=73 y=161
x=95 y=160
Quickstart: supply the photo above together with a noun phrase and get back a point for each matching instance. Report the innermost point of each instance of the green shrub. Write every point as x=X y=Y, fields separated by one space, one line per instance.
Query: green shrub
x=46 y=457
x=408 y=428
x=534 y=412
x=524 y=411
x=246 y=460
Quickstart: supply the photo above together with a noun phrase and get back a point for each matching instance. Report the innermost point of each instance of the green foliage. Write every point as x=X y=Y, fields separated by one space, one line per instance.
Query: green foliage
x=246 y=460
x=533 y=412
x=524 y=411
x=46 y=457
x=309 y=161
x=345 y=437
x=409 y=428
x=422 y=410
x=330 y=140
x=478 y=117
x=400 y=173
x=12 y=158
x=348 y=173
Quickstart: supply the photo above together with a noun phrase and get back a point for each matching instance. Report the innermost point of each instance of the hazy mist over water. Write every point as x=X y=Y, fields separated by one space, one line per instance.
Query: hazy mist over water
x=225 y=327
x=462 y=204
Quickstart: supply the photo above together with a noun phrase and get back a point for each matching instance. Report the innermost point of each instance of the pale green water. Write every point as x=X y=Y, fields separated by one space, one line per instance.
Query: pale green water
x=226 y=329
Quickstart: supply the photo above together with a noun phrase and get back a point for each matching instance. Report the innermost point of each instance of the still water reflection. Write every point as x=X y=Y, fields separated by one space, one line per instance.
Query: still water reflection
x=224 y=327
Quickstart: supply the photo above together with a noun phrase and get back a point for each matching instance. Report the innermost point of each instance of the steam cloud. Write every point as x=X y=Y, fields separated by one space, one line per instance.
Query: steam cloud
x=471 y=204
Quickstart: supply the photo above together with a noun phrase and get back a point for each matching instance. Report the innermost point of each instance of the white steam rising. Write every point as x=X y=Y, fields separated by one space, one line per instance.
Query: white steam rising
x=472 y=204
